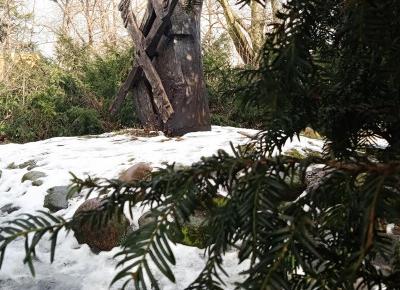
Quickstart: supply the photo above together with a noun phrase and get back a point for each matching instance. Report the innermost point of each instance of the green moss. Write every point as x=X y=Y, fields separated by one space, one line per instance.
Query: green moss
x=312 y=153
x=194 y=236
x=219 y=201
x=247 y=149
x=194 y=233
x=295 y=154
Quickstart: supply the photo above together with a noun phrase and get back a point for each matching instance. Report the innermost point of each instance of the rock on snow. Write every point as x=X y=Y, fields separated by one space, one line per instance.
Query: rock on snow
x=106 y=155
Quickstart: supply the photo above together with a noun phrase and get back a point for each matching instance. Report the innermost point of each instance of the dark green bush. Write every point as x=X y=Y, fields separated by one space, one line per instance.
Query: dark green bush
x=41 y=122
x=83 y=121
x=68 y=96
x=224 y=84
x=103 y=73
x=103 y=76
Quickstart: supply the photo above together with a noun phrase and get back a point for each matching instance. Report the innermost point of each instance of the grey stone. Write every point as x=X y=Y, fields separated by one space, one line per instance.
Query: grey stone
x=33 y=175
x=146 y=219
x=1 y=173
x=315 y=176
x=30 y=164
x=12 y=166
x=198 y=218
x=37 y=182
x=180 y=166
x=57 y=197
x=30 y=167
x=9 y=208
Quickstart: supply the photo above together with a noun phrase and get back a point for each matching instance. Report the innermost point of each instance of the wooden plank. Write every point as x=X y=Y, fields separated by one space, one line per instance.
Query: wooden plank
x=153 y=29
x=132 y=79
x=147 y=114
x=160 y=97
x=158 y=9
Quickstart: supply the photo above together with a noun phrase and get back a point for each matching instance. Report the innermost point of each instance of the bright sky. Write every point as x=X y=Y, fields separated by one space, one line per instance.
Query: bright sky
x=47 y=19
x=46 y=15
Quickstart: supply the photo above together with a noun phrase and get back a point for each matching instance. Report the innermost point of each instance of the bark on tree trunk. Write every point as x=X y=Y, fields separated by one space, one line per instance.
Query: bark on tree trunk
x=179 y=65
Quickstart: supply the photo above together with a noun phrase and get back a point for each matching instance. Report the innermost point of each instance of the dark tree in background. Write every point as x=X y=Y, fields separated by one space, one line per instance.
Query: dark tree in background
x=167 y=80
x=332 y=65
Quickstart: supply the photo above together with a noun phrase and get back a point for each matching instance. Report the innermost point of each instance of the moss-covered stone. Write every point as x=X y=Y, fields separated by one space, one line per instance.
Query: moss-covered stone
x=194 y=233
x=219 y=201
x=194 y=236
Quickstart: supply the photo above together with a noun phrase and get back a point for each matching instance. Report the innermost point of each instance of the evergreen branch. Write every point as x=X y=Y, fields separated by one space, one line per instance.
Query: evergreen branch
x=38 y=225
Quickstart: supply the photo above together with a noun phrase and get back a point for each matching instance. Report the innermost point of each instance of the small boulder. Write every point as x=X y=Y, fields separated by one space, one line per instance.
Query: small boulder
x=57 y=197
x=315 y=175
x=30 y=164
x=146 y=219
x=102 y=238
x=137 y=172
x=181 y=166
x=33 y=176
x=37 y=182
x=12 y=166
x=193 y=233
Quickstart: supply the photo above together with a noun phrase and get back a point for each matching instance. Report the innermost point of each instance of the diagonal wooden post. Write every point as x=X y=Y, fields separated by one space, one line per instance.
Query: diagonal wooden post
x=160 y=97
x=153 y=31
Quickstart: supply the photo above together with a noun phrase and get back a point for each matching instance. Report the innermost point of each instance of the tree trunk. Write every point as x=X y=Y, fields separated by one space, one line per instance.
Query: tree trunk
x=237 y=31
x=179 y=66
x=276 y=6
x=257 y=26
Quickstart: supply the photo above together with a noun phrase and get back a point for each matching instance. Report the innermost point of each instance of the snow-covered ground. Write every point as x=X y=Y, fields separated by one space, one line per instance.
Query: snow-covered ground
x=75 y=266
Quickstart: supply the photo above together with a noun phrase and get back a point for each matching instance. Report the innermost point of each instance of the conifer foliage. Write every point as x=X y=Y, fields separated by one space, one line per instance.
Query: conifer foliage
x=332 y=65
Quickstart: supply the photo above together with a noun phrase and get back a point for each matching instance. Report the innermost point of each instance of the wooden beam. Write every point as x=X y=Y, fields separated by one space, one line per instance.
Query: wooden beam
x=153 y=29
x=133 y=77
x=160 y=97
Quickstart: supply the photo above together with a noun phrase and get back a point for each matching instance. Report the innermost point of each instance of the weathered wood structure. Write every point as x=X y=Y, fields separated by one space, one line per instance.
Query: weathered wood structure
x=166 y=80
